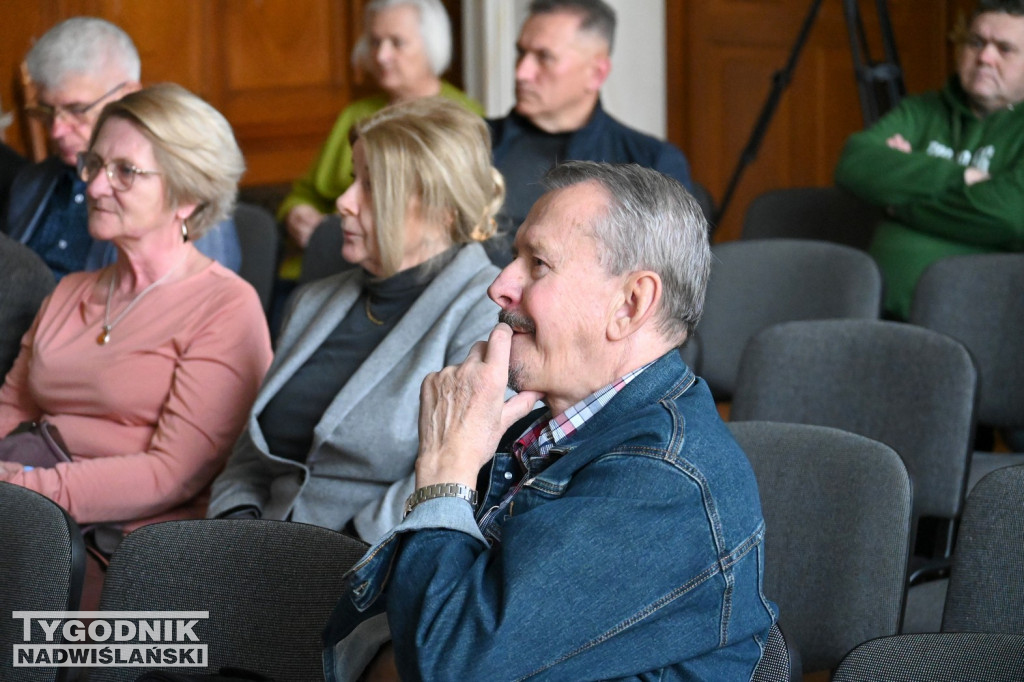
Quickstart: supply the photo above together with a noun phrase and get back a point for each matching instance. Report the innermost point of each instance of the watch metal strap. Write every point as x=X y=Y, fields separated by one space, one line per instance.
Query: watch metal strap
x=429 y=492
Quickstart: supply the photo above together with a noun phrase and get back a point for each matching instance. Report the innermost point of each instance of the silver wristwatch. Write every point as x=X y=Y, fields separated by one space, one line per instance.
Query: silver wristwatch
x=429 y=492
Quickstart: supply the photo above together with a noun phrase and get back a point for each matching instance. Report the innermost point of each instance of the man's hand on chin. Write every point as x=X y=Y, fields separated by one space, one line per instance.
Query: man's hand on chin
x=463 y=413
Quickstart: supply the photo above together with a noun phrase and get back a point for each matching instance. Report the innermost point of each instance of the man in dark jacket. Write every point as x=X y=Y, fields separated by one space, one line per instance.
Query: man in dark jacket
x=564 y=57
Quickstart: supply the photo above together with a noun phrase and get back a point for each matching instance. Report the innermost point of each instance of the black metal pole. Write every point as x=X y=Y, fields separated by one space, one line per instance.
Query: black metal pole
x=780 y=80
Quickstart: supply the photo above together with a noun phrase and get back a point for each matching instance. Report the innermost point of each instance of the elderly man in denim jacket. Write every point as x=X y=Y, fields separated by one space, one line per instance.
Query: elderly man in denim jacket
x=618 y=531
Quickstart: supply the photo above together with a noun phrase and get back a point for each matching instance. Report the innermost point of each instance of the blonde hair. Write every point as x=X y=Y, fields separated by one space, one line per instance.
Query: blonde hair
x=437 y=152
x=193 y=145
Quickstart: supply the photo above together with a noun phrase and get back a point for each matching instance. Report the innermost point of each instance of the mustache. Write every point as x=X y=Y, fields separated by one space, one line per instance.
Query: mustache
x=517 y=321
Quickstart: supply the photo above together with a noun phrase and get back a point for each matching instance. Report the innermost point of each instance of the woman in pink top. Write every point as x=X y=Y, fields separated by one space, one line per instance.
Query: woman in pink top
x=148 y=367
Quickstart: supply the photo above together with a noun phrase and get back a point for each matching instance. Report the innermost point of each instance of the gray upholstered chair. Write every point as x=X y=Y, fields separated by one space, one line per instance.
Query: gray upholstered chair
x=908 y=387
x=779 y=662
x=42 y=566
x=837 y=518
x=268 y=586
x=979 y=301
x=322 y=255
x=986 y=582
x=755 y=284
x=936 y=657
x=826 y=213
x=260 y=242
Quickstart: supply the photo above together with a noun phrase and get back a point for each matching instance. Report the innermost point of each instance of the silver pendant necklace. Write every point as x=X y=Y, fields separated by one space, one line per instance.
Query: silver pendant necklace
x=108 y=325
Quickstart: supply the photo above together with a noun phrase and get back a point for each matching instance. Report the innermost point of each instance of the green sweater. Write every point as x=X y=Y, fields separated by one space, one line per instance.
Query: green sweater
x=934 y=214
x=331 y=173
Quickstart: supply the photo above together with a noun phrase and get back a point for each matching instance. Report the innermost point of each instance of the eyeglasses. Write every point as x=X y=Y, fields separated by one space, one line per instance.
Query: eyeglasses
x=76 y=112
x=120 y=172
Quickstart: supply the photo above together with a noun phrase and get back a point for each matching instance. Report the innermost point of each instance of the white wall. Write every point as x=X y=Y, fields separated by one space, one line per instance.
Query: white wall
x=635 y=91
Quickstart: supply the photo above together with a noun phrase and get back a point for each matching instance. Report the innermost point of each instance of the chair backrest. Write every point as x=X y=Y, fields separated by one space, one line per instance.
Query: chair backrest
x=706 y=201
x=42 y=566
x=268 y=586
x=260 y=242
x=936 y=657
x=908 y=387
x=755 y=284
x=834 y=564
x=979 y=300
x=779 y=661
x=986 y=581
x=322 y=256
x=826 y=213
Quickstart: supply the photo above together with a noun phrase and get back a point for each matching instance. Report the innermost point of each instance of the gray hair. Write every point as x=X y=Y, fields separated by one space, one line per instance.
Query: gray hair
x=193 y=144
x=596 y=16
x=652 y=223
x=435 y=30
x=82 y=45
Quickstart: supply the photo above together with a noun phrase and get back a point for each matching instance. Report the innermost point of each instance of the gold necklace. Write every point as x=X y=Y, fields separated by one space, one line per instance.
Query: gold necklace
x=108 y=326
x=369 y=314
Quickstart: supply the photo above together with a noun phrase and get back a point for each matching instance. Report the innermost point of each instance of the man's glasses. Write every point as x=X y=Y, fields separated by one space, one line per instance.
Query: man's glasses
x=76 y=112
x=120 y=172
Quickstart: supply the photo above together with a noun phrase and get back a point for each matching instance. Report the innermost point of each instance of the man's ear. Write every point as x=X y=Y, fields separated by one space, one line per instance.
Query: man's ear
x=601 y=68
x=641 y=293
x=130 y=87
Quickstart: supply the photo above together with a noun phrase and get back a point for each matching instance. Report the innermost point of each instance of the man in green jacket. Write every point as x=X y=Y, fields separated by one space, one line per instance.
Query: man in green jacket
x=949 y=165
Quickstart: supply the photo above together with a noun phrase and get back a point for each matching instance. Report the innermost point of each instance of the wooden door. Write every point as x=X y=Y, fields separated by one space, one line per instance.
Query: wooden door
x=723 y=54
x=279 y=70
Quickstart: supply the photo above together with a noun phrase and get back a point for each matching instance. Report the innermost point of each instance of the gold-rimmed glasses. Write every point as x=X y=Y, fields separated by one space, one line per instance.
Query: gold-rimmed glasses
x=120 y=172
x=76 y=112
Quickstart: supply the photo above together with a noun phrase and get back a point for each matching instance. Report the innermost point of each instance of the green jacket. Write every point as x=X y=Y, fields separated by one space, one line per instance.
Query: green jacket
x=934 y=214
x=331 y=173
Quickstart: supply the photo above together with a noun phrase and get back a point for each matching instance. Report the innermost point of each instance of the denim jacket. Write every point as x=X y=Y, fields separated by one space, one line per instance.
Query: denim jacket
x=637 y=553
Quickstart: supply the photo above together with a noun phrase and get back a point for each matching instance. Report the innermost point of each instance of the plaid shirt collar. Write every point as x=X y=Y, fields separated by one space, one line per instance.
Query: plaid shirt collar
x=532 y=448
x=544 y=434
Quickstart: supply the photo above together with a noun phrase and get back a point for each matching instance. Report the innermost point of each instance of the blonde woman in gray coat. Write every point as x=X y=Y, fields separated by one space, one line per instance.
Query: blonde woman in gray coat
x=332 y=437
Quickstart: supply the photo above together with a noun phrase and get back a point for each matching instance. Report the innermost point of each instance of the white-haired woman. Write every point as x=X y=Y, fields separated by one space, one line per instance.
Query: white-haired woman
x=332 y=438
x=148 y=366
x=406 y=45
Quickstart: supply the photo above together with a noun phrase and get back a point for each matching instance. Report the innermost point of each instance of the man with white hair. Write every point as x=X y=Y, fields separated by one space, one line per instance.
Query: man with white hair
x=78 y=66
x=617 y=532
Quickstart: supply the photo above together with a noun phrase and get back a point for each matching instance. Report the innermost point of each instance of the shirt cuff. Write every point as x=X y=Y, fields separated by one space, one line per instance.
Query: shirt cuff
x=447 y=513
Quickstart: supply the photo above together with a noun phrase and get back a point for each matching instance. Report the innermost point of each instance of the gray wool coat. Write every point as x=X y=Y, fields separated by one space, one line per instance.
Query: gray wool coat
x=360 y=466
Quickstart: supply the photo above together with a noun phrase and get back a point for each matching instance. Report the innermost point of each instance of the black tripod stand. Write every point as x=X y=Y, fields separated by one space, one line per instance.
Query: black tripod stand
x=879 y=83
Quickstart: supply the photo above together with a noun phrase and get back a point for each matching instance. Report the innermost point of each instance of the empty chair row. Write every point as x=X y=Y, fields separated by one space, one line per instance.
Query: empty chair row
x=982 y=633
x=834 y=565
x=755 y=284
x=837 y=512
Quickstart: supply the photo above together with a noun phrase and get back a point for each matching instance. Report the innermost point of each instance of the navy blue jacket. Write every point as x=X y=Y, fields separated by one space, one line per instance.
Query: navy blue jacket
x=601 y=139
